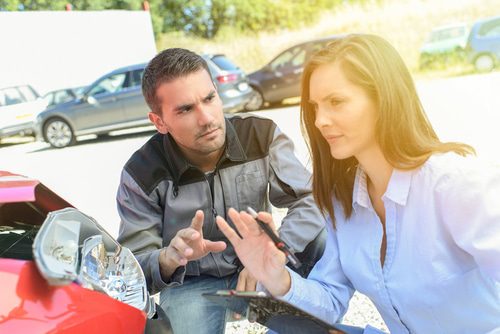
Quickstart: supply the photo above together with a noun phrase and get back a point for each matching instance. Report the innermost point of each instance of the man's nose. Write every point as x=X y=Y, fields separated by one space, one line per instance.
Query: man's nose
x=204 y=116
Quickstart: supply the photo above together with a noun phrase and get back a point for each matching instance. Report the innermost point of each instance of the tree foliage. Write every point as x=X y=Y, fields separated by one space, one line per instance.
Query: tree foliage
x=203 y=18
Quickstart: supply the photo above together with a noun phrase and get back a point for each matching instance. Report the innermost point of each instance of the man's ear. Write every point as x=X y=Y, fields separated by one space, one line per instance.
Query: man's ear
x=158 y=122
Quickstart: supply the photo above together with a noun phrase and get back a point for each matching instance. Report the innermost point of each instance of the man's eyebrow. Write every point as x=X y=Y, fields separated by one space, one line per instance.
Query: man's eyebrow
x=185 y=106
x=211 y=93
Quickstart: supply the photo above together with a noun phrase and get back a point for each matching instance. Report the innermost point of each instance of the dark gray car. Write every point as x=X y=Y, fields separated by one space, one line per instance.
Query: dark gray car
x=115 y=102
x=280 y=79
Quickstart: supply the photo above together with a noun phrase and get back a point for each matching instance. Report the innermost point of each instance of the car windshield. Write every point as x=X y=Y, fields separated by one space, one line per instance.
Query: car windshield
x=223 y=63
x=447 y=33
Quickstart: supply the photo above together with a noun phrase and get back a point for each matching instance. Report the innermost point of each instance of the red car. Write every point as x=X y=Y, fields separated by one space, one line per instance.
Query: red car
x=61 y=272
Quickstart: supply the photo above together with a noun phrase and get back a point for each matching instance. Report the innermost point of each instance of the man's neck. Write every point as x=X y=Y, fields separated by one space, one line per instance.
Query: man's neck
x=206 y=163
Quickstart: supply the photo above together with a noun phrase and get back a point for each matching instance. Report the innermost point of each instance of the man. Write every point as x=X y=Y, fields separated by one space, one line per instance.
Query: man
x=198 y=166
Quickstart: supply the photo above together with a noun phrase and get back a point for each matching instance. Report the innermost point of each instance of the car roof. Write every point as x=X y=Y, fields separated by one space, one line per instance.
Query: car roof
x=128 y=68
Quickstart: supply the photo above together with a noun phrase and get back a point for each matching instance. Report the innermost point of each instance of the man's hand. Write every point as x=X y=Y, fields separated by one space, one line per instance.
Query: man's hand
x=187 y=245
x=246 y=282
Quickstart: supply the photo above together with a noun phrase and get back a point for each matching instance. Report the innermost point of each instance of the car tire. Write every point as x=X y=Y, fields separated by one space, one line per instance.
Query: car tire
x=58 y=133
x=256 y=102
x=484 y=63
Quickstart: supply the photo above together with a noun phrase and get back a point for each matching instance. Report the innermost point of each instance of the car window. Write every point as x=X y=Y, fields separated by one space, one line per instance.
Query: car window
x=10 y=96
x=223 y=63
x=63 y=96
x=294 y=57
x=490 y=29
x=111 y=84
x=135 y=78
x=28 y=93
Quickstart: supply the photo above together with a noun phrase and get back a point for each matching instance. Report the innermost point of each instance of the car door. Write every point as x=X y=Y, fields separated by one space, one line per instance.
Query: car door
x=282 y=77
x=102 y=108
x=136 y=109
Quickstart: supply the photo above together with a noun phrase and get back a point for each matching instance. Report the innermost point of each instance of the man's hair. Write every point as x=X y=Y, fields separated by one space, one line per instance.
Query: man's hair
x=166 y=66
x=403 y=130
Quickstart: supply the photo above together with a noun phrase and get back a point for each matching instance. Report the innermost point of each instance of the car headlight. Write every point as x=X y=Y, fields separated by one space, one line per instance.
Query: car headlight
x=72 y=246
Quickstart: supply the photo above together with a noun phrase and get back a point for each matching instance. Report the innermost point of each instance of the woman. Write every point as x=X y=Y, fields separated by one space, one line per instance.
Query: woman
x=414 y=222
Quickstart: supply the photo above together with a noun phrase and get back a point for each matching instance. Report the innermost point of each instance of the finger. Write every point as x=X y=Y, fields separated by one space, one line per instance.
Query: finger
x=188 y=234
x=250 y=283
x=250 y=223
x=230 y=234
x=241 y=284
x=267 y=218
x=181 y=246
x=197 y=222
x=215 y=246
x=236 y=219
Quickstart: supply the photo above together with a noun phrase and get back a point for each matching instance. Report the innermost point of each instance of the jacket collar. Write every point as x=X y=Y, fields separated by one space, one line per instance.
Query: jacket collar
x=178 y=164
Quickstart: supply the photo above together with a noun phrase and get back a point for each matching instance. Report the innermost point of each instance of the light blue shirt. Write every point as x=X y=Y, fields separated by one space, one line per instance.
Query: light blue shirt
x=442 y=266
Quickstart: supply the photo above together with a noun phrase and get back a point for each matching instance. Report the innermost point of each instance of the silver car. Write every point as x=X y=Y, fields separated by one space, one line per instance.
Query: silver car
x=115 y=102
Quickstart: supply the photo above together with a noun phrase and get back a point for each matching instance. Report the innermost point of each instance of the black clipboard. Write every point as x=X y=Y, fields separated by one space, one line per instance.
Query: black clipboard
x=261 y=307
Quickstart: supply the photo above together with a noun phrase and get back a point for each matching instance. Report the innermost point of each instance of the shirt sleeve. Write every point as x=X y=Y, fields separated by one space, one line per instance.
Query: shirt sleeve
x=327 y=291
x=290 y=187
x=470 y=201
x=140 y=231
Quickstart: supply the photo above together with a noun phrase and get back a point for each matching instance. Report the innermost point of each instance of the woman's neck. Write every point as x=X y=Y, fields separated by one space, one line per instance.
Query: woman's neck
x=378 y=170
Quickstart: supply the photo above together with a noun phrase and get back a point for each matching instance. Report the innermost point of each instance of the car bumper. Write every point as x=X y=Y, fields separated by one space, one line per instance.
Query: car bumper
x=237 y=103
x=17 y=129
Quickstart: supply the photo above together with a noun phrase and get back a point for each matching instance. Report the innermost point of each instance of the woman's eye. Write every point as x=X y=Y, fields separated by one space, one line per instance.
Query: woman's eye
x=335 y=102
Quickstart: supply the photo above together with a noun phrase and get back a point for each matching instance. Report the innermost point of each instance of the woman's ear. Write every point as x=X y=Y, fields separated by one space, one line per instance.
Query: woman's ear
x=158 y=122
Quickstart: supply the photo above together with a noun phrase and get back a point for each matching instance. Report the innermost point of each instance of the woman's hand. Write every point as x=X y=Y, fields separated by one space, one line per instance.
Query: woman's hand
x=256 y=251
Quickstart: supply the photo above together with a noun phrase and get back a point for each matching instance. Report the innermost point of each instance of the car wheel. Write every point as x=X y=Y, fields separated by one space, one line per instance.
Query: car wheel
x=58 y=133
x=484 y=63
x=256 y=102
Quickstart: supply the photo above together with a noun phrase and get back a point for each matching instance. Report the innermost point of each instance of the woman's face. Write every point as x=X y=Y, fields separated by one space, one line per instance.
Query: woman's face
x=345 y=113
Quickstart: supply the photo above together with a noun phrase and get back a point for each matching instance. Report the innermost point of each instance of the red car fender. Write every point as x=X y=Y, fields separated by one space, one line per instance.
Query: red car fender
x=29 y=305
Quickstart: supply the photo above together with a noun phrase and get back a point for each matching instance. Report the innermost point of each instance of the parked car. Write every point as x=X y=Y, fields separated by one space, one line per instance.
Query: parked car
x=115 y=102
x=483 y=46
x=19 y=105
x=280 y=78
x=444 y=42
x=62 y=95
x=232 y=82
x=61 y=272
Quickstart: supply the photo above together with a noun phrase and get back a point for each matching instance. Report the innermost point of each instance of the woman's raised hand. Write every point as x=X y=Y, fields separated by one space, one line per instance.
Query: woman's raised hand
x=256 y=250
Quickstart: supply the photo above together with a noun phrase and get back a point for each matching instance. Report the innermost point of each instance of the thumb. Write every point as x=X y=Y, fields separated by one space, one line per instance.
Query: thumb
x=214 y=246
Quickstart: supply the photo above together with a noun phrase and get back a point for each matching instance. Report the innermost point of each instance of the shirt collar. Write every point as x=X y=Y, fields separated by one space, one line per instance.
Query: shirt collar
x=397 y=189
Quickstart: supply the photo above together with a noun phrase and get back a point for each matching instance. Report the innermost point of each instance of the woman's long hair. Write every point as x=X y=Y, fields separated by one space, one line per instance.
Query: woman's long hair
x=403 y=130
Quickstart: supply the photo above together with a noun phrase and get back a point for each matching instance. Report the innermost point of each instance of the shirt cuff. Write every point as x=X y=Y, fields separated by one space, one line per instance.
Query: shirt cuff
x=176 y=279
x=294 y=284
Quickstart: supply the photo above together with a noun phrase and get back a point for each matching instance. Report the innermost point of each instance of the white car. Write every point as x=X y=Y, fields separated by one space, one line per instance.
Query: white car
x=19 y=106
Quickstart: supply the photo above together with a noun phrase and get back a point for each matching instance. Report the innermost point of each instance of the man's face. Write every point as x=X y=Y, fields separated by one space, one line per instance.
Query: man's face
x=191 y=111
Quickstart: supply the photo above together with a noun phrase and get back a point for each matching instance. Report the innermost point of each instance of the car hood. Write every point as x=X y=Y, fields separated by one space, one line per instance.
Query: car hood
x=17 y=188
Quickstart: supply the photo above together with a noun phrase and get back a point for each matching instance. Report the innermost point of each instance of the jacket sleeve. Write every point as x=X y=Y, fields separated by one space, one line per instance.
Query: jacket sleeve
x=141 y=230
x=290 y=187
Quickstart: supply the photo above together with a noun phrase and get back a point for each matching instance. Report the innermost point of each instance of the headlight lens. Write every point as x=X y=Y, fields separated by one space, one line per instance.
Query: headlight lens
x=102 y=265
x=118 y=274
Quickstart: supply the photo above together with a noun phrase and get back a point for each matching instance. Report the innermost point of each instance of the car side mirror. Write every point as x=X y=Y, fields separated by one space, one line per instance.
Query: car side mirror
x=91 y=100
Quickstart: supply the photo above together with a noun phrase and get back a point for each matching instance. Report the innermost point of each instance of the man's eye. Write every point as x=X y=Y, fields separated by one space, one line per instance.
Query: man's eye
x=210 y=98
x=185 y=110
